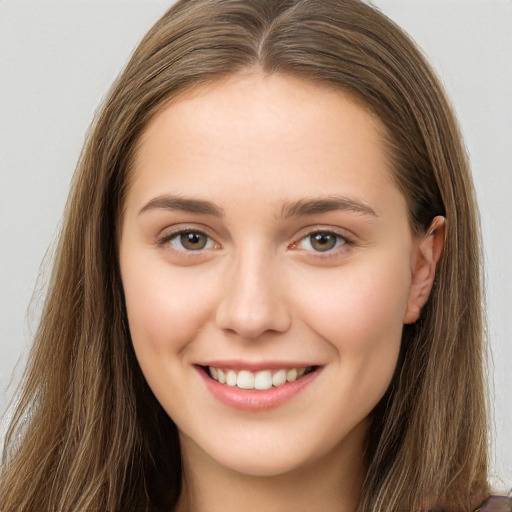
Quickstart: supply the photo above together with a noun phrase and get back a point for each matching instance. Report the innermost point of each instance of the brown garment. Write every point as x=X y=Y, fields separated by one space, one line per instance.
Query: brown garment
x=496 y=503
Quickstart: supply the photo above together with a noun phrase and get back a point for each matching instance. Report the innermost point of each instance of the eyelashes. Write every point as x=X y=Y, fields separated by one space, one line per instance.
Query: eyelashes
x=321 y=241
x=190 y=241
x=193 y=242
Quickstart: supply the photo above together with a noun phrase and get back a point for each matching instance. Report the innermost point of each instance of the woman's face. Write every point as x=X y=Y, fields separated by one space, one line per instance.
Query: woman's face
x=264 y=243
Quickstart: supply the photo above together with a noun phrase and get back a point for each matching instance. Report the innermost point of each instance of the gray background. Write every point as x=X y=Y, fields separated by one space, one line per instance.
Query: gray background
x=57 y=60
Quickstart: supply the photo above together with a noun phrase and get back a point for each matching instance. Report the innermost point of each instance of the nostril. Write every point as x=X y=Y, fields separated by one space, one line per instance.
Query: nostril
x=251 y=320
x=252 y=303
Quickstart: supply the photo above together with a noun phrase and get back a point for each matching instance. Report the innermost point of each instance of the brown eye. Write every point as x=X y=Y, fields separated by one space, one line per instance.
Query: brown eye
x=321 y=241
x=190 y=241
x=193 y=241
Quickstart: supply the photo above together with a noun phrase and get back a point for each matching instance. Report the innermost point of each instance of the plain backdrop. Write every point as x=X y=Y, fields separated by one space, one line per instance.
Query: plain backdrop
x=57 y=61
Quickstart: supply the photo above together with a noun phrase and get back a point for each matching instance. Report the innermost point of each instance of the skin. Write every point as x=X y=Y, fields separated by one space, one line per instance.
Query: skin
x=259 y=291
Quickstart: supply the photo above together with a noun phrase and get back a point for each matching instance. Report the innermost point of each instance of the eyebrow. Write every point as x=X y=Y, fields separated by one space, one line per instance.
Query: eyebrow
x=302 y=207
x=314 y=206
x=191 y=205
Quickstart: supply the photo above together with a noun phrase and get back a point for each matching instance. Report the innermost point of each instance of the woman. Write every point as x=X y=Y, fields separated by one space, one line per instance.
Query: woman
x=267 y=285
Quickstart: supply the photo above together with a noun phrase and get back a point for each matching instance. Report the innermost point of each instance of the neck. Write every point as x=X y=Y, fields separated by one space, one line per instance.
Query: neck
x=331 y=483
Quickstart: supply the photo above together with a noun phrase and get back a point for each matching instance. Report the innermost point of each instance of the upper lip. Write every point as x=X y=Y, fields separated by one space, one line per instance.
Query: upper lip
x=256 y=366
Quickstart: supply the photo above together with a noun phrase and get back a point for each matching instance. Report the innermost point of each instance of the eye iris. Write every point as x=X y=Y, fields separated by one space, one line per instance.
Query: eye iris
x=323 y=241
x=193 y=241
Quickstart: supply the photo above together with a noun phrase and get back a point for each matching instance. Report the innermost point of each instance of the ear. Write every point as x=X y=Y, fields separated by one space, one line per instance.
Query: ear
x=427 y=254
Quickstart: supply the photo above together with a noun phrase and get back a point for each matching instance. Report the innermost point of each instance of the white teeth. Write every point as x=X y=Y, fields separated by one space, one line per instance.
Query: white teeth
x=291 y=375
x=245 y=380
x=279 y=378
x=261 y=380
x=231 y=378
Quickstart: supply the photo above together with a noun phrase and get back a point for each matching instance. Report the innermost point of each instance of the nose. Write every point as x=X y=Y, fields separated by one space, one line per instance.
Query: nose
x=252 y=302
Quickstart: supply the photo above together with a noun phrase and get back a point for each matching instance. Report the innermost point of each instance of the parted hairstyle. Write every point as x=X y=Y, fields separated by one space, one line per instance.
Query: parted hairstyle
x=88 y=434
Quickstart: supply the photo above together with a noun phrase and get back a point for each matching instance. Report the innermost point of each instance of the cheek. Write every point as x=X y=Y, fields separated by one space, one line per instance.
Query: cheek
x=359 y=312
x=163 y=307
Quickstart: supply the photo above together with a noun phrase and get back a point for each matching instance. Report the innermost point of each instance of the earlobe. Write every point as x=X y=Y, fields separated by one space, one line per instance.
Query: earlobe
x=427 y=255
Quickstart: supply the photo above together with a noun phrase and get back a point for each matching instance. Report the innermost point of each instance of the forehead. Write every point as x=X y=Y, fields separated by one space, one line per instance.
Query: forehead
x=278 y=134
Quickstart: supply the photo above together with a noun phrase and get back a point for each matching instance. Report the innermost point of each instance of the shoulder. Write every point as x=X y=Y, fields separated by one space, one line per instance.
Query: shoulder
x=496 y=503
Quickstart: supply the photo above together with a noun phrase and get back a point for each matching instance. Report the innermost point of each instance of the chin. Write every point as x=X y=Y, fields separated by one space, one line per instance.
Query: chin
x=263 y=465
x=252 y=453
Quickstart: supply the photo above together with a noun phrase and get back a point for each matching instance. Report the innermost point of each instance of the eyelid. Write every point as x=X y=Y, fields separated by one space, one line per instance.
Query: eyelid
x=312 y=230
x=172 y=232
x=339 y=242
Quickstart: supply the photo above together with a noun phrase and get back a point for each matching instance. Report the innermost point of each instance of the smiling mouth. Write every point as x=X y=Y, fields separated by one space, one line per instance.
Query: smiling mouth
x=260 y=380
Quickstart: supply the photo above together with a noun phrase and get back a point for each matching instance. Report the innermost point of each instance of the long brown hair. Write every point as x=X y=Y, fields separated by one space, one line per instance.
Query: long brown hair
x=88 y=433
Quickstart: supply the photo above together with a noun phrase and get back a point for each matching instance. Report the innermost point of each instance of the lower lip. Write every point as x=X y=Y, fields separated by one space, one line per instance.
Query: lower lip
x=256 y=400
